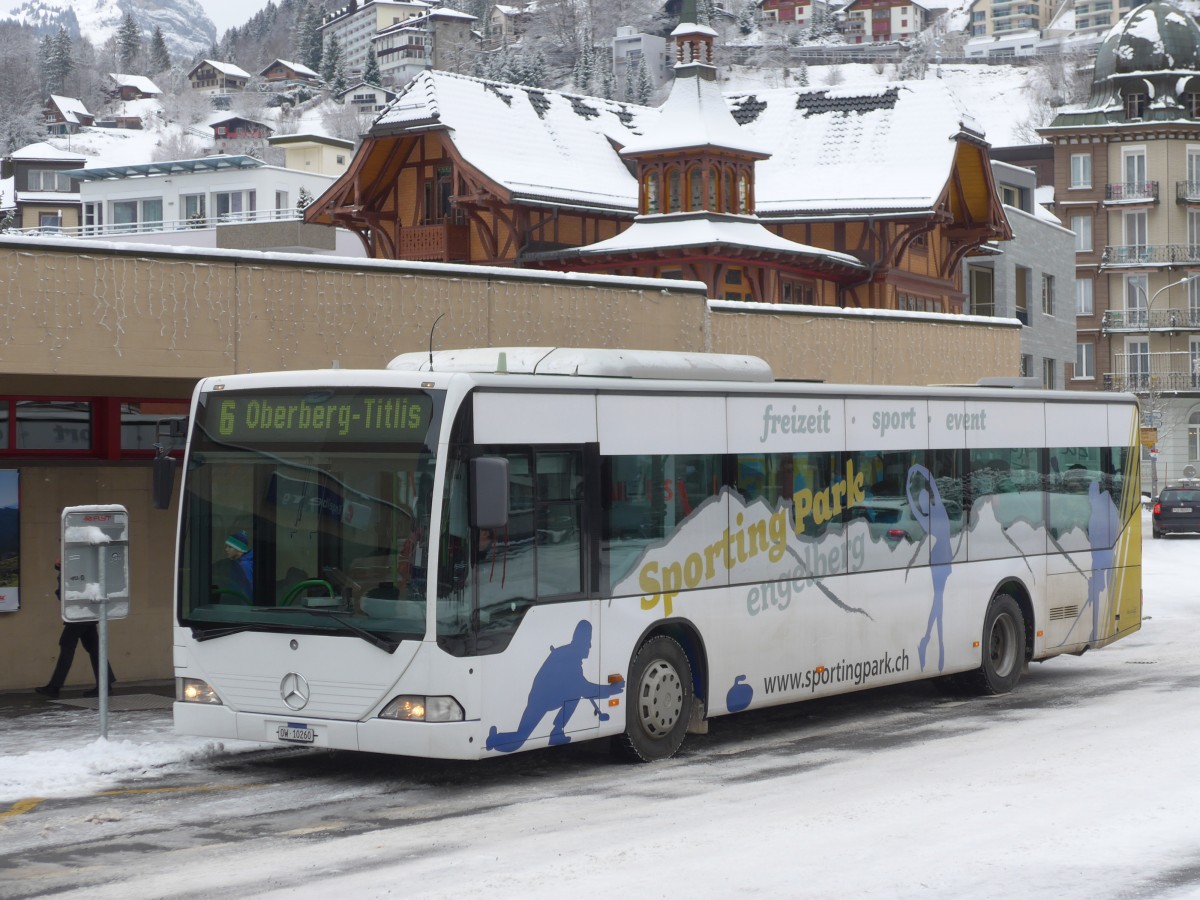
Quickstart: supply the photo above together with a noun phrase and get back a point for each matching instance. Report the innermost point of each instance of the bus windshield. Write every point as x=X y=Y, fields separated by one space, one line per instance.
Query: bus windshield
x=309 y=511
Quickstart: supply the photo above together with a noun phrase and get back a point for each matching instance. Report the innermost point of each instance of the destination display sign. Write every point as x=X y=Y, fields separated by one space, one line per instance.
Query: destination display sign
x=318 y=417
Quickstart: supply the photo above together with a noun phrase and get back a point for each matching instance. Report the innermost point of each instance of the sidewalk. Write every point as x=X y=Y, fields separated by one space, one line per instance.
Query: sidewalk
x=125 y=696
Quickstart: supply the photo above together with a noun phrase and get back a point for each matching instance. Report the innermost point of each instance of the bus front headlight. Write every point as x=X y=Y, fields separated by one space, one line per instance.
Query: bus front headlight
x=418 y=708
x=193 y=690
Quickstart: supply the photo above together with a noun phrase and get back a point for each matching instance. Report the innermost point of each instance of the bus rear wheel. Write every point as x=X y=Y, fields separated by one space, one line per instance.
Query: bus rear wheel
x=659 y=702
x=1003 y=648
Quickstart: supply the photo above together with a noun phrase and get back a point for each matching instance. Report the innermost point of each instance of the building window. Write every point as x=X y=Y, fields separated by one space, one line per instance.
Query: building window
x=983 y=292
x=695 y=188
x=1136 y=287
x=137 y=215
x=1083 y=297
x=50 y=221
x=1026 y=365
x=93 y=217
x=1048 y=374
x=1137 y=363
x=194 y=207
x=1082 y=226
x=49 y=180
x=1135 y=105
x=674 y=191
x=1081 y=170
x=1010 y=196
x=51 y=425
x=651 y=192
x=1085 y=361
x=1047 y=295
x=801 y=292
x=1194 y=437
x=281 y=200
x=234 y=204
x=1023 y=284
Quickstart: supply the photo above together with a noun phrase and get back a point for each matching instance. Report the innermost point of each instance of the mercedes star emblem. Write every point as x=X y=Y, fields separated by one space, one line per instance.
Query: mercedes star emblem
x=294 y=691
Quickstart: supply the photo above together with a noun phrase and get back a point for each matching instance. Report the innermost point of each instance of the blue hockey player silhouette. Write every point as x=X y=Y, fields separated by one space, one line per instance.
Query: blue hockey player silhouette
x=1103 y=527
x=559 y=685
x=930 y=512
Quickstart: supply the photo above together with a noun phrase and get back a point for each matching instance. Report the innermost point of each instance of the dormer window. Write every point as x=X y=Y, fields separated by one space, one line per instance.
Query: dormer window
x=1135 y=105
x=675 y=191
x=651 y=193
x=1192 y=103
x=744 y=193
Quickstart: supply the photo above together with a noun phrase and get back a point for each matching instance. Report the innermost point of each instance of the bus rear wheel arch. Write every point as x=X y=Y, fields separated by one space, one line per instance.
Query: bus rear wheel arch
x=659 y=698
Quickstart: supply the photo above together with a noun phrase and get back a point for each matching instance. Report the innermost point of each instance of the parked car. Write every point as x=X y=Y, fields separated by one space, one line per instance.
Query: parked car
x=892 y=519
x=1177 y=509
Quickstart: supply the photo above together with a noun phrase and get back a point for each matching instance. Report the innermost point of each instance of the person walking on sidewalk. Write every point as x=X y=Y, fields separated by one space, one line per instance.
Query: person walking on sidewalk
x=74 y=633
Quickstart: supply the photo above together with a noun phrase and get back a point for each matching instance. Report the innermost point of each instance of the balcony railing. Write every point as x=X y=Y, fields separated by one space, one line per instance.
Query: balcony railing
x=1177 y=370
x=1132 y=191
x=442 y=242
x=1187 y=192
x=1159 y=320
x=1150 y=254
x=156 y=226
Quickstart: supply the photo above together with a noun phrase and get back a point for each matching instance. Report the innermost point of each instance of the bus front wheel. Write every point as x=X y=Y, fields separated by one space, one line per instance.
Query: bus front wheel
x=1003 y=648
x=659 y=702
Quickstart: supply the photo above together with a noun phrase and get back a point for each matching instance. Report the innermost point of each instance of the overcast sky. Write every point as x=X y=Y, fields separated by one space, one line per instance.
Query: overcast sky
x=225 y=14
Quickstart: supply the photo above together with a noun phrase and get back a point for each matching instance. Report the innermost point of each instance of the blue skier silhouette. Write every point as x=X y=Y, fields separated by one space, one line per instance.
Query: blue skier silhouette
x=559 y=685
x=930 y=512
x=1103 y=526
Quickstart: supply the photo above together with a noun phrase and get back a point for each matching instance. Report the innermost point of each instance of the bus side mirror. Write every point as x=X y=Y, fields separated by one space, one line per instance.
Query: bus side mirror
x=489 y=492
x=164 y=481
x=168 y=433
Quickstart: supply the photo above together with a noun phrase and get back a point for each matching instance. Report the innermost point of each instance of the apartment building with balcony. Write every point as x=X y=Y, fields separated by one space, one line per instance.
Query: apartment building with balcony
x=356 y=25
x=1127 y=183
x=1030 y=278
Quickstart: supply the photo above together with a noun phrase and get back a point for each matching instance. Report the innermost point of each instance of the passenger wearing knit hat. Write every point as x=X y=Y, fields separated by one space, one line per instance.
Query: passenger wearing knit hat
x=238 y=542
x=239 y=554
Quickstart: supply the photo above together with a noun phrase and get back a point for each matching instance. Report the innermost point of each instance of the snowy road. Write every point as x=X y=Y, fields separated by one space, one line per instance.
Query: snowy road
x=1082 y=783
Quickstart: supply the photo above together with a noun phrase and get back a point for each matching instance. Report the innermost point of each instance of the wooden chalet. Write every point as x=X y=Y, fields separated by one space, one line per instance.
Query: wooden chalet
x=281 y=70
x=834 y=197
x=210 y=76
x=239 y=127
x=65 y=115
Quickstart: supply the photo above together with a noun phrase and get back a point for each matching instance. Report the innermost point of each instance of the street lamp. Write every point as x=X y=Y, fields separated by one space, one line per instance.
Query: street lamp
x=1149 y=382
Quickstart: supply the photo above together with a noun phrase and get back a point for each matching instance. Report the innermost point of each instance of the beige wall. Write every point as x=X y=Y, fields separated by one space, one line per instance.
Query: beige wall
x=140 y=645
x=90 y=319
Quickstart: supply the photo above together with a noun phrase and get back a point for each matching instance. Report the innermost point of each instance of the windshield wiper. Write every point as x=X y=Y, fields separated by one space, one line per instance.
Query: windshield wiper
x=207 y=634
x=369 y=636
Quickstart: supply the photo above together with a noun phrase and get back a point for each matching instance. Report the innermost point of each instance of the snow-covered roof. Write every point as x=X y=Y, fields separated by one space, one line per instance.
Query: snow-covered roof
x=138 y=82
x=535 y=143
x=451 y=14
x=223 y=67
x=877 y=148
x=43 y=152
x=684 y=230
x=64 y=197
x=70 y=108
x=298 y=68
x=695 y=114
x=884 y=148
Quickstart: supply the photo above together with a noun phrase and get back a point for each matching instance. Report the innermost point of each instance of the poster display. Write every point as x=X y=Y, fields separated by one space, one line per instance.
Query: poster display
x=10 y=541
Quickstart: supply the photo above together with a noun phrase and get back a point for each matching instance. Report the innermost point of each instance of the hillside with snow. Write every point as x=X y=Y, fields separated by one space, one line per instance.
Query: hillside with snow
x=186 y=28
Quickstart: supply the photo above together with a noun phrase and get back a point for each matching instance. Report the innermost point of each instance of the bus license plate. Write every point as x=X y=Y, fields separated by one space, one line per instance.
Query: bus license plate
x=296 y=733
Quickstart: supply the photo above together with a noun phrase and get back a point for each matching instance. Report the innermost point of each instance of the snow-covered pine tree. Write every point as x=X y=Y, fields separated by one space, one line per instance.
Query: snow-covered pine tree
x=160 y=57
x=129 y=44
x=371 y=74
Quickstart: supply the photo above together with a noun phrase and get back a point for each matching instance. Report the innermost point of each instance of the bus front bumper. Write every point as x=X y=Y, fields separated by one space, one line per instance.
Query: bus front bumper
x=440 y=740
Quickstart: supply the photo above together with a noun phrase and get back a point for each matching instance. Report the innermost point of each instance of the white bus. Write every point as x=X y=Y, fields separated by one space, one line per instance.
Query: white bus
x=485 y=551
